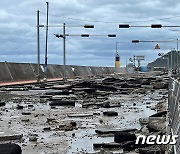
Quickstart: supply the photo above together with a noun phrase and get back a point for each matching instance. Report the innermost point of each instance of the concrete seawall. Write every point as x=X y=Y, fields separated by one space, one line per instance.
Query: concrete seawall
x=28 y=71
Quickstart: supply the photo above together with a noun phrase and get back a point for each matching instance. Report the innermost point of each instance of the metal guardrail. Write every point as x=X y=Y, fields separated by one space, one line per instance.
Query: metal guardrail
x=174 y=111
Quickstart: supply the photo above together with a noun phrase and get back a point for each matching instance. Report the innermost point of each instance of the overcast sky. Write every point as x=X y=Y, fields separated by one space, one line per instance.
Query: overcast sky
x=18 y=34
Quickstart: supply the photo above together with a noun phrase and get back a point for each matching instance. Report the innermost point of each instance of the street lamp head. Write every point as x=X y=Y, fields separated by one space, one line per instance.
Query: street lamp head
x=124 y=26
x=88 y=26
x=111 y=35
x=156 y=26
x=58 y=36
x=84 y=35
x=135 y=41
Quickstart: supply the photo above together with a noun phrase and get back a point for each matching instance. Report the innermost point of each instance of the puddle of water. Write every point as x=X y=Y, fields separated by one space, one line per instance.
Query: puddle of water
x=84 y=141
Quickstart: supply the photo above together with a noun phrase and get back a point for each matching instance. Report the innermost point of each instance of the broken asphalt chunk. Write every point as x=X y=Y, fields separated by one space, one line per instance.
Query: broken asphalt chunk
x=110 y=113
x=62 y=103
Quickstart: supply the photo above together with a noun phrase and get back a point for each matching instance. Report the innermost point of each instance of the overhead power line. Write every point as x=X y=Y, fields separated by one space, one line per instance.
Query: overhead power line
x=111 y=22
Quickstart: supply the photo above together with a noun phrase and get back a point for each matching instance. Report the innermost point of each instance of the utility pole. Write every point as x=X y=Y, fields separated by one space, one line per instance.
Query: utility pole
x=38 y=48
x=46 y=48
x=64 y=51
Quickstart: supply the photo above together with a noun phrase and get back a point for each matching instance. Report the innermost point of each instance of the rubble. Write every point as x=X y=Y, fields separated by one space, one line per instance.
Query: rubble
x=97 y=111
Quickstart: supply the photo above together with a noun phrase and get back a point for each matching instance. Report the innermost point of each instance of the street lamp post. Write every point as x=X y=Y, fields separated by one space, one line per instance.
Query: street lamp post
x=64 y=47
x=64 y=43
x=46 y=47
x=64 y=51
x=38 y=48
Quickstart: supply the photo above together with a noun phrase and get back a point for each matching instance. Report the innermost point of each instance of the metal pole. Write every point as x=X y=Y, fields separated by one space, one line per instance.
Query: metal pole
x=177 y=65
x=46 y=48
x=168 y=64
x=134 y=61
x=64 y=51
x=171 y=61
x=116 y=47
x=38 y=48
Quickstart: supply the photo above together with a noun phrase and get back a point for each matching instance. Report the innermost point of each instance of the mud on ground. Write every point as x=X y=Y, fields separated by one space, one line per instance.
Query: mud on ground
x=58 y=118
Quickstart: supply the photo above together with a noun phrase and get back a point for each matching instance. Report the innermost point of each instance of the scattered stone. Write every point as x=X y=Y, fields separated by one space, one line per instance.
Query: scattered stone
x=110 y=113
x=113 y=131
x=2 y=104
x=107 y=145
x=106 y=105
x=80 y=115
x=159 y=114
x=19 y=107
x=25 y=119
x=33 y=138
x=68 y=127
x=30 y=105
x=150 y=150
x=157 y=124
x=47 y=129
x=73 y=123
x=58 y=102
x=73 y=134
x=121 y=137
x=10 y=149
x=26 y=113
x=6 y=135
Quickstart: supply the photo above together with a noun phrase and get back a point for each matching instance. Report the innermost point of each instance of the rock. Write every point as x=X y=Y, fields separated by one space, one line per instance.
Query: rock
x=159 y=114
x=50 y=120
x=58 y=102
x=73 y=134
x=106 y=105
x=68 y=127
x=73 y=123
x=113 y=131
x=106 y=145
x=25 y=120
x=143 y=121
x=121 y=137
x=10 y=149
x=47 y=128
x=7 y=134
x=2 y=104
x=160 y=85
x=26 y=113
x=30 y=105
x=19 y=107
x=150 y=150
x=80 y=115
x=157 y=124
x=110 y=113
x=33 y=138
x=144 y=129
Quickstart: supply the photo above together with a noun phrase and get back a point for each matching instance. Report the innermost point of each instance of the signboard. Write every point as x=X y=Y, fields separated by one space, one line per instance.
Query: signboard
x=130 y=59
x=140 y=57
